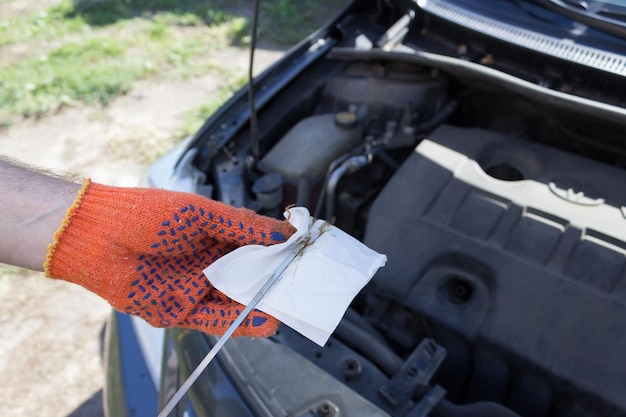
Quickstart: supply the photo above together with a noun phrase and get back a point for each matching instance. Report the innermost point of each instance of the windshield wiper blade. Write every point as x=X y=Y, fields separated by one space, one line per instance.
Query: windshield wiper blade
x=523 y=6
x=613 y=14
x=585 y=13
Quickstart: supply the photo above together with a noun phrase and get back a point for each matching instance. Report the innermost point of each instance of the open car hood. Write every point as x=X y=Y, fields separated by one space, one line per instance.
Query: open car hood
x=480 y=146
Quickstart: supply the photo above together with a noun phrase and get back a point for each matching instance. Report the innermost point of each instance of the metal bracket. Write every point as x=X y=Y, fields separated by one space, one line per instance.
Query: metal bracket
x=416 y=372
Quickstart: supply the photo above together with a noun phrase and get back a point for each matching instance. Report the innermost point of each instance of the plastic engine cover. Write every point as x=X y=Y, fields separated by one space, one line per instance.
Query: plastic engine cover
x=539 y=254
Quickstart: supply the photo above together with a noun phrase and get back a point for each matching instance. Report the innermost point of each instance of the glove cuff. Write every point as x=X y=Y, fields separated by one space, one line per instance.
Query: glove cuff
x=50 y=265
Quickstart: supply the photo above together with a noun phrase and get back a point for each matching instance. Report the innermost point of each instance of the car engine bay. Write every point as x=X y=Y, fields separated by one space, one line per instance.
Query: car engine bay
x=503 y=217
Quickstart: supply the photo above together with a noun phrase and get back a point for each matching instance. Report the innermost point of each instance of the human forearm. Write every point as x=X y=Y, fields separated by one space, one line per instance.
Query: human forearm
x=143 y=250
x=32 y=206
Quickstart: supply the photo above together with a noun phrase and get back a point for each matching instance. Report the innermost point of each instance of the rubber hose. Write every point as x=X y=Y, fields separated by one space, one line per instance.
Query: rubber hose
x=373 y=349
x=446 y=408
x=360 y=321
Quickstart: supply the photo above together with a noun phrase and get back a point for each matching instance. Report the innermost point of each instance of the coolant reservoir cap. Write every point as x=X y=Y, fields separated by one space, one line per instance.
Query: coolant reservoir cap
x=345 y=119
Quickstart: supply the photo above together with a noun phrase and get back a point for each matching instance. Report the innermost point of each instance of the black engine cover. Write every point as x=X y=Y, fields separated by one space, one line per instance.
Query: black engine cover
x=530 y=266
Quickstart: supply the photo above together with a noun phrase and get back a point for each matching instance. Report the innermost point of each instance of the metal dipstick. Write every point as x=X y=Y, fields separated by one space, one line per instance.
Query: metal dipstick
x=305 y=241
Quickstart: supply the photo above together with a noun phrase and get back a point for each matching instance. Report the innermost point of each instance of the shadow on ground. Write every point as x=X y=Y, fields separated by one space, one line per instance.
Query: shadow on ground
x=295 y=20
x=106 y=12
x=92 y=407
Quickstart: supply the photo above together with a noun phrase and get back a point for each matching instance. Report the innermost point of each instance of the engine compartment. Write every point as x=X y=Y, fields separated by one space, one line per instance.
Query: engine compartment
x=517 y=267
x=503 y=220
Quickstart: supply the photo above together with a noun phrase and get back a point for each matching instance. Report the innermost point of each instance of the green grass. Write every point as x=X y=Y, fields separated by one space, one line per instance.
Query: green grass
x=91 y=71
x=91 y=51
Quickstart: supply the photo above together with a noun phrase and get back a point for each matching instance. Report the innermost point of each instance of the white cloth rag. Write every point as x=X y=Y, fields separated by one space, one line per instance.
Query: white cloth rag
x=318 y=285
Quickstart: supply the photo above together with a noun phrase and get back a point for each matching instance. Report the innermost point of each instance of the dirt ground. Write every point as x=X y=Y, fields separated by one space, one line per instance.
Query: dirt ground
x=50 y=354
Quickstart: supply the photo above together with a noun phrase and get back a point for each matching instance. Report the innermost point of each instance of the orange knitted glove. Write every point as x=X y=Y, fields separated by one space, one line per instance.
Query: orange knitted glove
x=144 y=251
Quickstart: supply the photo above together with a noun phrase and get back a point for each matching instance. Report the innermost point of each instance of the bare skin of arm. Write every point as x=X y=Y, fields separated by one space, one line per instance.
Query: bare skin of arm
x=32 y=207
x=111 y=234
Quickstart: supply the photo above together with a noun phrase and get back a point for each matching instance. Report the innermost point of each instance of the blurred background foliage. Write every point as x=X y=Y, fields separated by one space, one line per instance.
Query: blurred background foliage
x=67 y=53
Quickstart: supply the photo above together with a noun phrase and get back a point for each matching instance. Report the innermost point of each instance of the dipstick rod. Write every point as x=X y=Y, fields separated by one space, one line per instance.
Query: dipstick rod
x=222 y=340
